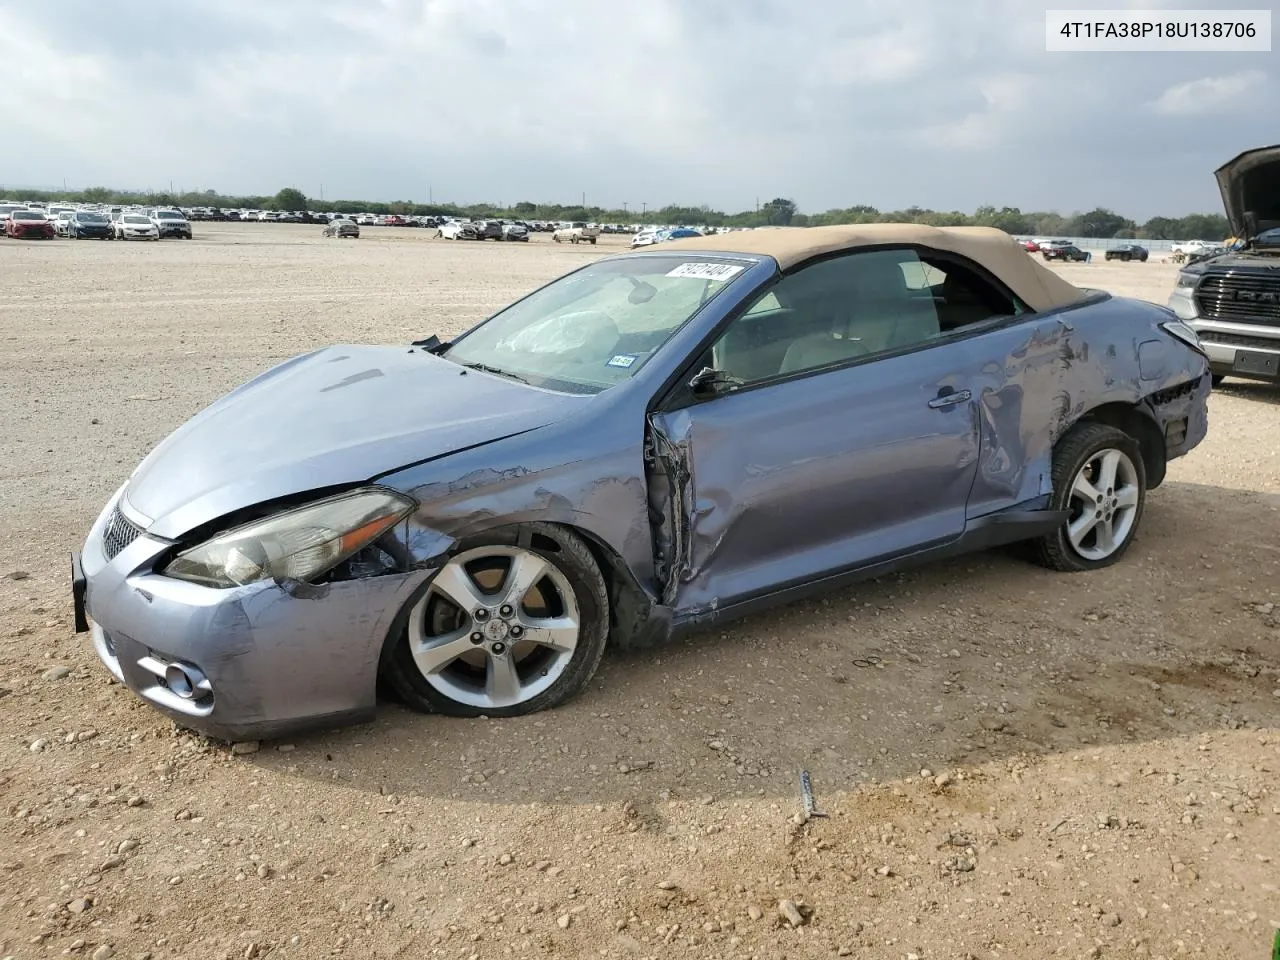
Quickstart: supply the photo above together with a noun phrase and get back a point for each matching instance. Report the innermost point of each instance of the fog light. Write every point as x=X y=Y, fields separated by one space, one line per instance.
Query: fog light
x=185 y=681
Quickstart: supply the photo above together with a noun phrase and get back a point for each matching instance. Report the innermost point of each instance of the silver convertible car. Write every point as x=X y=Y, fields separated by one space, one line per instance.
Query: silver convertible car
x=654 y=442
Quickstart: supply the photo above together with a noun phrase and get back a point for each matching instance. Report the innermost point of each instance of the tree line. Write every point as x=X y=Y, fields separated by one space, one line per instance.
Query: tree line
x=1100 y=223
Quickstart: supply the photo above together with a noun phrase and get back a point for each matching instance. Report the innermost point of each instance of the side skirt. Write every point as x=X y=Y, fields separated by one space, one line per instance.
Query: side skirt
x=982 y=533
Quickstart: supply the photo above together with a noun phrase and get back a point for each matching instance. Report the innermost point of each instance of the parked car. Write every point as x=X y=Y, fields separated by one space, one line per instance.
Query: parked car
x=28 y=225
x=1069 y=252
x=576 y=232
x=676 y=233
x=342 y=228
x=1127 y=251
x=84 y=225
x=1030 y=246
x=457 y=230
x=172 y=223
x=515 y=231
x=1231 y=297
x=62 y=222
x=644 y=238
x=478 y=521
x=8 y=208
x=134 y=226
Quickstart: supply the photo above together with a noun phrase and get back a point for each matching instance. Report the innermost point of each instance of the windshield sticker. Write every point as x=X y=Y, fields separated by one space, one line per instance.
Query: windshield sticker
x=706 y=271
x=623 y=360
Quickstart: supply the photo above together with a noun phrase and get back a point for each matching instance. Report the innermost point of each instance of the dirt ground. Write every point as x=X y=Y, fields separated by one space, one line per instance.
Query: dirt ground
x=1042 y=765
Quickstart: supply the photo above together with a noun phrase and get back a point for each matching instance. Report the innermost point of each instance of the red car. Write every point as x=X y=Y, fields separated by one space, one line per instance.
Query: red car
x=1030 y=246
x=28 y=225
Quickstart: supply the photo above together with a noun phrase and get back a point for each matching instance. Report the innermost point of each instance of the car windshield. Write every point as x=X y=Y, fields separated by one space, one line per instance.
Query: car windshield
x=136 y=219
x=597 y=326
x=91 y=218
x=169 y=215
x=27 y=216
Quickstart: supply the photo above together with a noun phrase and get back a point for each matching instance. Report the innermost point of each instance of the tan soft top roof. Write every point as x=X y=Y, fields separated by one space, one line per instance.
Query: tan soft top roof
x=1038 y=286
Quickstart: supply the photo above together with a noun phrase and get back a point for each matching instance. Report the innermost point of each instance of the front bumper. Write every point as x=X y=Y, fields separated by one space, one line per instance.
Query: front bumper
x=1240 y=349
x=276 y=661
x=174 y=231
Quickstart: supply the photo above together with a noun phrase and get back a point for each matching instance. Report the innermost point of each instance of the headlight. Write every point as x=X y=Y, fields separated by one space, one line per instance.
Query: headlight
x=1187 y=281
x=298 y=544
x=1177 y=328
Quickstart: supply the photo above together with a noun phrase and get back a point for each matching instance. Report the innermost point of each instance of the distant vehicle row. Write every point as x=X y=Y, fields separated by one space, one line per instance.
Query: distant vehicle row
x=34 y=223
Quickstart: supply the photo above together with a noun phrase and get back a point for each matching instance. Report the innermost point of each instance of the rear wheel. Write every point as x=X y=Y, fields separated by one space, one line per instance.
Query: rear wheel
x=512 y=624
x=1099 y=478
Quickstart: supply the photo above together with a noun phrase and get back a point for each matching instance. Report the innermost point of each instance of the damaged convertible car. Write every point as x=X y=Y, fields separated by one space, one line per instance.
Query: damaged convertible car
x=656 y=441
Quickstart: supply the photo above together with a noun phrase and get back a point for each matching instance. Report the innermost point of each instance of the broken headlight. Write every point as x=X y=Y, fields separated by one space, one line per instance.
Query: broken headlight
x=1176 y=328
x=297 y=544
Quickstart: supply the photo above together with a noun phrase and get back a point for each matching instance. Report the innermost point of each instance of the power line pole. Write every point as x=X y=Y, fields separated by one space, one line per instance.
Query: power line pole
x=644 y=208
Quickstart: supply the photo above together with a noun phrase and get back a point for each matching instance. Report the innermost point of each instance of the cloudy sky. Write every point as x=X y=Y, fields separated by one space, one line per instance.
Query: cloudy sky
x=938 y=103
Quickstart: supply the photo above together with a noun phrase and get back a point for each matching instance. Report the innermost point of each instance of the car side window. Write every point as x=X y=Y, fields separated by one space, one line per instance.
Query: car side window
x=839 y=309
x=856 y=306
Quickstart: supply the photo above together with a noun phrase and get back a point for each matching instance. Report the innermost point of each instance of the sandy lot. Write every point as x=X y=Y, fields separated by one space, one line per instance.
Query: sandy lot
x=1041 y=766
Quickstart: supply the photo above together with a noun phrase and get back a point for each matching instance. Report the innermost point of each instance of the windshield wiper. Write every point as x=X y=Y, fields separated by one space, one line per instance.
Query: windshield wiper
x=495 y=370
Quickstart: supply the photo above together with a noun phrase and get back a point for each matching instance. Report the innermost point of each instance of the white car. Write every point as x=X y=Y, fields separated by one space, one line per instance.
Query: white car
x=171 y=223
x=644 y=238
x=62 y=223
x=134 y=226
x=1192 y=247
x=457 y=230
x=577 y=232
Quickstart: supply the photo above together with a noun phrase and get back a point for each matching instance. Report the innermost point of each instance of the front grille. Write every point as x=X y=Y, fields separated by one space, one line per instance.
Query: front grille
x=1239 y=340
x=118 y=534
x=1240 y=297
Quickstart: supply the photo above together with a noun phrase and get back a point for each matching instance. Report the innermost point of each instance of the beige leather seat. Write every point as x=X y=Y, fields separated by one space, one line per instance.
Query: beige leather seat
x=873 y=312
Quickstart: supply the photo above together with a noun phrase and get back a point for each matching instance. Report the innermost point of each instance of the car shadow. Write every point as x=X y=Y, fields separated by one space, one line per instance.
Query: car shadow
x=982 y=658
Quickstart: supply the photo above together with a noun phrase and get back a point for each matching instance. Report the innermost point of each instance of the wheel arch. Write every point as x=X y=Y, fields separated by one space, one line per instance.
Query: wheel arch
x=631 y=608
x=1137 y=423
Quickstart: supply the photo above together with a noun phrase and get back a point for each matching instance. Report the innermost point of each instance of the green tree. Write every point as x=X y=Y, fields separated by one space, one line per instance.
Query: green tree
x=1161 y=228
x=779 y=211
x=1100 y=223
x=291 y=198
x=1204 y=226
x=525 y=209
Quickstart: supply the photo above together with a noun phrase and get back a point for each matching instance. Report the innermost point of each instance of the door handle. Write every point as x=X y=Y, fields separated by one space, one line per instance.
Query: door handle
x=949 y=399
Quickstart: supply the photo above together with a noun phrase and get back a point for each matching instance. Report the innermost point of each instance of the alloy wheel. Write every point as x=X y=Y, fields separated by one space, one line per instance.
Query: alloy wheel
x=1105 y=495
x=497 y=627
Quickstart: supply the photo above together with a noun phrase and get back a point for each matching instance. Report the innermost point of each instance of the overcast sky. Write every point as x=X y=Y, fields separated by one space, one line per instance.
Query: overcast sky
x=941 y=103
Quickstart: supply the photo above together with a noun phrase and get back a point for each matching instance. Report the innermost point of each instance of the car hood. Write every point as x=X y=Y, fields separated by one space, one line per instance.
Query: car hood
x=1250 y=187
x=341 y=415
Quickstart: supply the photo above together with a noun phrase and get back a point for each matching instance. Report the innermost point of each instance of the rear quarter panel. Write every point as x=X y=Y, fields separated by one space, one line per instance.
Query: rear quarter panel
x=1045 y=375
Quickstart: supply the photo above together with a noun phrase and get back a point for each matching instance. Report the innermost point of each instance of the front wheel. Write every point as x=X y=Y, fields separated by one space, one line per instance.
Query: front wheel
x=1100 y=480
x=512 y=624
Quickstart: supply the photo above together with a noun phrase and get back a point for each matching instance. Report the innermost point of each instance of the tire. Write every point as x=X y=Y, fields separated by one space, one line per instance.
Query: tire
x=556 y=239
x=593 y=241
x=459 y=685
x=1082 y=450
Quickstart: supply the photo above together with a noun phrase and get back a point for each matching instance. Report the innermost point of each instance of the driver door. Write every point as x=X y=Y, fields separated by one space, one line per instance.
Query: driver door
x=850 y=439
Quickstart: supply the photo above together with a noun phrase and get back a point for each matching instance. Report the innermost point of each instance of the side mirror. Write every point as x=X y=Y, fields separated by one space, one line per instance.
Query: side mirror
x=710 y=382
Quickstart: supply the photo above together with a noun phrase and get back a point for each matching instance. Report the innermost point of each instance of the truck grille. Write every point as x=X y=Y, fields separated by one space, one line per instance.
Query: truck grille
x=1240 y=298
x=118 y=534
x=1240 y=340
